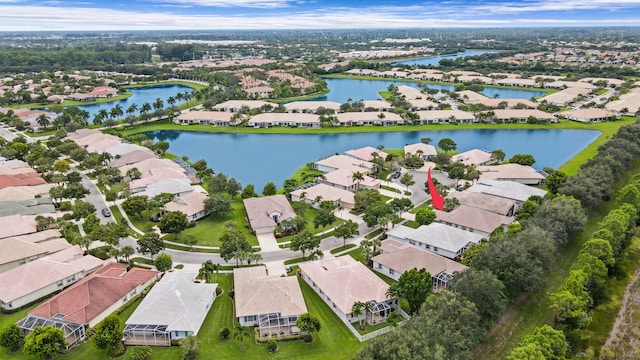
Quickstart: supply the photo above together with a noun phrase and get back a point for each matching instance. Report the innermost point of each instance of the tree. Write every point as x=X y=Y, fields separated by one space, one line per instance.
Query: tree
x=447 y=145
x=127 y=251
x=141 y=352
x=219 y=205
x=240 y=333
x=345 y=231
x=248 y=192
x=190 y=240
x=135 y=205
x=309 y=324
x=407 y=180
x=269 y=189
x=82 y=209
x=324 y=217
x=554 y=180
x=233 y=245
x=217 y=183
x=304 y=241
x=190 y=346
x=414 y=286
x=108 y=335
x=357 y=177
x=206 y=270
x=426 y=140
x=450 y=203
x=544 y=343
x=425 y=216
x=44 y=342
x=43 y=121
x=11 y=336
x=163 y=262
x=498 y=155
x=363 y=198
x=173 y=222
x=483 y=289
x=442 y=160
x=61 y=166
x=133 y=173
x=150 y=243
x=401 y=204
x=357 y=310
x=522 y=159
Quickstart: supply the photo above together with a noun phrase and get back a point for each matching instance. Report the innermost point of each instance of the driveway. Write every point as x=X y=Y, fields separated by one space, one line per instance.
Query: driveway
x=94 y=197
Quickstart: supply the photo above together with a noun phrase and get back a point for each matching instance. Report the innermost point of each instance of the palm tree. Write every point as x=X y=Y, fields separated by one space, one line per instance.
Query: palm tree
x=356 y=311
x=207 y=269
x=132 y=109
x=116 y=112
x=104 y=114
x=127 y=251
x=171 y=101
x=368 y=309
x=158 y=104
x=146 y=107
x=357 y=177
x=241 y=332
x=43 y=121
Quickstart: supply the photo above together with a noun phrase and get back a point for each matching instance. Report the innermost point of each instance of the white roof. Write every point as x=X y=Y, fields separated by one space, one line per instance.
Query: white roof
x=344 y=177
x=427 y=149
x=256 y=293
x=509 y=172
x=206 y=115
x=345 y=162
x=312 y=105
x=472 y=157
x=327 y=192
x=437 y=235
x=124 y=148
x=170 y=186
x=345 y=281
x=177 y=302
x=401 y=257
x=507 y=189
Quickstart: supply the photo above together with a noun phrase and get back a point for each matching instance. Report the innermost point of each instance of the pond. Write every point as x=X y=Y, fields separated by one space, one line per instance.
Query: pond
x=139 y=96
x=435 y=60
x=260 y=158
x=340 y=90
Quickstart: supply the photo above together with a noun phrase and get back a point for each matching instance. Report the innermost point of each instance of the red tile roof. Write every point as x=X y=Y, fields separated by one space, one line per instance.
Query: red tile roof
x=24 y=179
x=91 y=296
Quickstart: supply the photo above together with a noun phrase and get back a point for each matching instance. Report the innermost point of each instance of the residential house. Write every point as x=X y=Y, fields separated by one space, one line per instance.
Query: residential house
x=132 y=158
x=175 y=187
x=237 y=105
x=589 y=115
x=565 y=96
x=302 y=120
x=473 y=219
x=377 y=105
x=383 y=118
x=444 y=117
x=22 y=179
x=272 y=303
x=487 y=202
x=340 y=197
x=265 y=213
x=344 y=179
x=425 y=151
x=440 y=239
x=522 y=116
x=342 y=281
x=507 y=189
x=84 y=304
x=44 y=276
x=25 y=192
x=191 y=204
x=216 y=118
x=475 y=157
x=336 y=162
x=21 y=249
x=512 y=172
x=627 y=104
x=312 y=106
x=366 y=153
x=397 y=257
x=34 y=206
x=175 y=308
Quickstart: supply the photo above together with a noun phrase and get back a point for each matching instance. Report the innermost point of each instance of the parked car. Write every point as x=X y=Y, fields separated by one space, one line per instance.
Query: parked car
x=106 y=212
x=396 y=175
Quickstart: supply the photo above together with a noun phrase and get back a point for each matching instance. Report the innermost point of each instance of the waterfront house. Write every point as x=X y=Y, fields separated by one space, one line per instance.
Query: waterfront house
x=344 y=179
x=216 y=118
x=589 y=115
x=339 y=197
x=512 y=172
x=303 y=120
x=425 y=151
x=265 y=213
x=475 y=157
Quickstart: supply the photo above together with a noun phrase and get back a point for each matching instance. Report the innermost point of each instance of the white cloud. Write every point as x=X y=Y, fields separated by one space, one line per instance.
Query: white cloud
x=260 y=4
x=31 y=18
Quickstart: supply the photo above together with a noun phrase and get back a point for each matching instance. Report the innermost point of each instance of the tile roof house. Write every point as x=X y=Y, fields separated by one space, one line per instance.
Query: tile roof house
x=303 y=120
x=343 y=179
x=366 y=153
x=426 y=151
x=23 y=179
x=383 y=118
x=336 y=162
x=589 y=115
x=87 y=302
x=174 y=308
x=36 y=279
x=312 y=106
x=507 y=189
x=16 y=225
x=273 y=303
x=343 y=281
x=473 y=157
x=487 y=202
x=512 y=172
x=473 y=219
x=21 y=249
x=216 y=118
x=444 y=117
x=35 y=206
x=397 y=257
x=236 y=105
x=25 y=192
x=191 y=204
x=339 y=197
x=132 y=157
x=265 y=213
x=437 y=238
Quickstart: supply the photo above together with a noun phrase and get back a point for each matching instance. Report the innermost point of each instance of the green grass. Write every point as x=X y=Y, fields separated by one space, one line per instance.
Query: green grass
x=369 y=328
x=294 y=261
x=533 y=311
x=309 y=215
x=374 y=233
x=392 y=189
x=356 y=254
x=209 y=230
x=426 y=204
x=171 y=237
x=342 y=248
x=412 y=224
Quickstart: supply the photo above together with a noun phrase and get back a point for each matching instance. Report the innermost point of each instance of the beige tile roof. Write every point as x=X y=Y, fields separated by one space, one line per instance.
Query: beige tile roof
x=132 y=158
x=206 y=115
x=365 y=153
x=259 y=210
x=344 y=177
x=256 y=293
x=37 y=274
x=189 y=204
x=327 y=192
x=15 y=225
x=488 y=202
x=472 y=157
x=564 y=96
x=312 y=105
x=237 y=104
x=284 y=118
x=522 y=114
x=345 y=281
x=401 y=257
x=445 y=115
x=345 y=162
x=587 y=114
x=368 y=116
x=474 y=218
x=427 y=149
x=410 y=92
x=24 y=192
x=630 y=101
x=509 y=172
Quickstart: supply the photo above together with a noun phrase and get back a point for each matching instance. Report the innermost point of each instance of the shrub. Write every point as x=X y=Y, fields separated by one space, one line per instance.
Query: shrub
x=224 y=333
x=272 y=345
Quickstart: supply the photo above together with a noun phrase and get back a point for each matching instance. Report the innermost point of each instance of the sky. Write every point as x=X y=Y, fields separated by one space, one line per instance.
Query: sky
x=55 y=15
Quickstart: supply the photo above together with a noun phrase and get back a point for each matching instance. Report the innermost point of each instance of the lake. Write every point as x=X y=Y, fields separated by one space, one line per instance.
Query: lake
x=340 y=90
x=139 y=96
x=259 y=158
x=435 y=60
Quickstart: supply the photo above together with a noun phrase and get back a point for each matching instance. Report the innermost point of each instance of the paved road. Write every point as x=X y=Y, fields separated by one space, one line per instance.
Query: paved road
x=95 y=197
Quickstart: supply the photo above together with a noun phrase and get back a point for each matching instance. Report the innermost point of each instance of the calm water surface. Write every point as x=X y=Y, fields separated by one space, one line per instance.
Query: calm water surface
x=435 y=60
x=259 y=158
x=139 y=96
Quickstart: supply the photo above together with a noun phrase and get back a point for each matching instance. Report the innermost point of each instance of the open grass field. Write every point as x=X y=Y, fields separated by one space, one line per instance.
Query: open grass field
x=533 y=311
x=209 y=230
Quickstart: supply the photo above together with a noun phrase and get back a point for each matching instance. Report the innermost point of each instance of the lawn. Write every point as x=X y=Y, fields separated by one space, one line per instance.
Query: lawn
x=342 y=248
x=209 y=230
x=533 y=311
x=309 y=215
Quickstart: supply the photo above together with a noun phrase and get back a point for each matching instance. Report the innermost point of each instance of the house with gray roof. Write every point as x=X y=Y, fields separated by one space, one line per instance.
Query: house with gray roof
x=496 y=204
x=35 y=206
x=437 y=238
x=174 y=308
x=473 y=219
x=507 y=189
